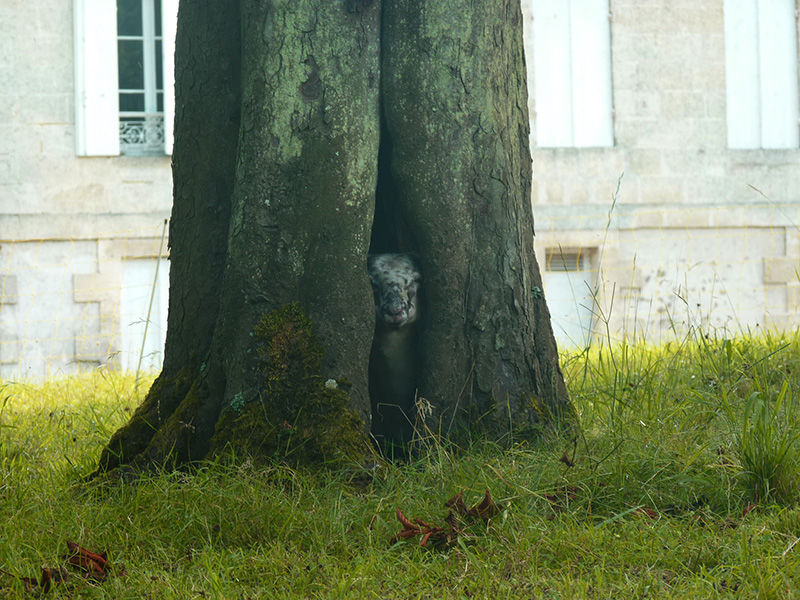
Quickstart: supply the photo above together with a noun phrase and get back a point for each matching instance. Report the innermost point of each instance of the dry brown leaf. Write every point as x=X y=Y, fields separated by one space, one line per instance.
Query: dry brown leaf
x=457 y=503
x=485 y=510
x=645 y=511
x=94 y=565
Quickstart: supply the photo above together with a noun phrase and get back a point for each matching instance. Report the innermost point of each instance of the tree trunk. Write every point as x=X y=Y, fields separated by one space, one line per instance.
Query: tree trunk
x=455 y=99
x=208 y=100
x=292 y=117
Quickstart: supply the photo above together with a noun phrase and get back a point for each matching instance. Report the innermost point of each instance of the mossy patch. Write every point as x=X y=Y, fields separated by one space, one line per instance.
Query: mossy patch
x=299 y=416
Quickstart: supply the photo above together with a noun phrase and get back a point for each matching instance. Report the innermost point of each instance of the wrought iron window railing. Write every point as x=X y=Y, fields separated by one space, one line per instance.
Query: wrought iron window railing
x=141 y=133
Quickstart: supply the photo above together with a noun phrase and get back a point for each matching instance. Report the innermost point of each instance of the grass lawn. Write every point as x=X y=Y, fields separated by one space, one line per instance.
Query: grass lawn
x=684 y=485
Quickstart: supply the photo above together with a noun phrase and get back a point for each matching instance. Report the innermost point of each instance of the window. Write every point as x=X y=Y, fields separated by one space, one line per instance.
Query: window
x=141 y=80
x=761 y=74
x=124 y=64
x=570 y=296
x=571 y=72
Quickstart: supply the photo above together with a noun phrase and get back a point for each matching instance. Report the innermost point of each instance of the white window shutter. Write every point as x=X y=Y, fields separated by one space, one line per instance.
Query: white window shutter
x=777 y=35
x=96 y=78
x=551 y=68
x=572 y=73
x=591 y=73
x=169 y=25
x=761 y=73
x=741 y=73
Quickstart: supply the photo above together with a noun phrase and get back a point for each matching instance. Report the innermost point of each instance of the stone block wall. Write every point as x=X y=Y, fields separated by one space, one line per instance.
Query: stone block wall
x=66 y=222
x=686 y=204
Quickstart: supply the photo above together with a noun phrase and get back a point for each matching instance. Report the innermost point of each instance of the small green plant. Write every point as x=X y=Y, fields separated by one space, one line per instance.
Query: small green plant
x=738 y=379
x=766 y=443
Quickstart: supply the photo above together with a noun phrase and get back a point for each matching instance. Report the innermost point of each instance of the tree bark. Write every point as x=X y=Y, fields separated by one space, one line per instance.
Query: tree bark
x=208 y=99
x=284 y=111
x=454 y=92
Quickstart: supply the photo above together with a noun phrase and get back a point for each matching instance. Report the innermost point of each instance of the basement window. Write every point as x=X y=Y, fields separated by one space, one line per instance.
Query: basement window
x=568 y=281
x=563 y=261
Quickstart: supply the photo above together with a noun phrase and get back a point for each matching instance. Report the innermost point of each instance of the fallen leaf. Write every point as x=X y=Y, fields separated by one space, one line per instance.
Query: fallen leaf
x=48 y=578
x=488 y=508
x=94 y=565
x=566 y=460
x=485 y=510
x=457 y=503
x=570 y=462
x=452 y=522
x=404 y=521
x=409 y=529
x=418 y=527
x=559 y=497
x=646 y=511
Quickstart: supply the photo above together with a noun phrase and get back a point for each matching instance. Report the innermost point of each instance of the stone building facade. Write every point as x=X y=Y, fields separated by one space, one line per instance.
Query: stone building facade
x=702 y=229
x=81 y=208
x=662 y=201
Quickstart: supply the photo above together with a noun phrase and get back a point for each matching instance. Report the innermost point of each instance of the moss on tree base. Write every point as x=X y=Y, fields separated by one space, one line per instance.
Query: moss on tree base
x=299 y=417
x=296 y=416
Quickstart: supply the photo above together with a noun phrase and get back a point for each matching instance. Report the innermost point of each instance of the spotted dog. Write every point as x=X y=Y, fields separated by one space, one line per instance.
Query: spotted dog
x=393 y=363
